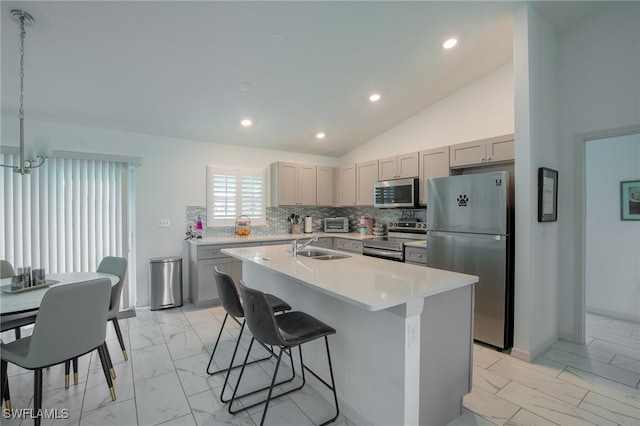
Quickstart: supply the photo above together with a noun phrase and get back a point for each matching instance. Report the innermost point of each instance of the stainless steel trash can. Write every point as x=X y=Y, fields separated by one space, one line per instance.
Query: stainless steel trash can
x=165 y=282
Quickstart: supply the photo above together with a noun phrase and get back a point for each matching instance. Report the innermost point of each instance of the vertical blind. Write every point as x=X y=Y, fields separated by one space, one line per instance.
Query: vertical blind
x=66 y=216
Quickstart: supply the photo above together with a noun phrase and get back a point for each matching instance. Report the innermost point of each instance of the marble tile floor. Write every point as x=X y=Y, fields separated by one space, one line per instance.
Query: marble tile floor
x=165 y=383
x=597 y=383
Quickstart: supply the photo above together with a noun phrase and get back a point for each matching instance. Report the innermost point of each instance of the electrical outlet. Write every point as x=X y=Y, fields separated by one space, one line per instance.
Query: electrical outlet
x=164 y=223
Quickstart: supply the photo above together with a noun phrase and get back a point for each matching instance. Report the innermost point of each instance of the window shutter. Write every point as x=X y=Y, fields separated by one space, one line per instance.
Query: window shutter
x=235 y=192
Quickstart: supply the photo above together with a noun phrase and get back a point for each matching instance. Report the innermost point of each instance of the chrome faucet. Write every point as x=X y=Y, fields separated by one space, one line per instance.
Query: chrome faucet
x=295 y=248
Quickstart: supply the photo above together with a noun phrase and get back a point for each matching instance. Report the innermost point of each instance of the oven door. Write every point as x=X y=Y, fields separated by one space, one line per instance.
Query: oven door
x=383 y=254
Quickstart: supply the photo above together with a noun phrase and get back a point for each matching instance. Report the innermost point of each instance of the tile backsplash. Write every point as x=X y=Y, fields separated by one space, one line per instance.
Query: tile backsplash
x=277 y=222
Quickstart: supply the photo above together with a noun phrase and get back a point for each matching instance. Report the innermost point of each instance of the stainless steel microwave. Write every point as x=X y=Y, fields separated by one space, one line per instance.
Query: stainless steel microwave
x=397 y=193
x=336 y=224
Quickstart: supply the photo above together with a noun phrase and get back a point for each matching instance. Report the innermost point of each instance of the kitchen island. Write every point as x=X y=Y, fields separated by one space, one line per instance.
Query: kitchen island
x=403 y=350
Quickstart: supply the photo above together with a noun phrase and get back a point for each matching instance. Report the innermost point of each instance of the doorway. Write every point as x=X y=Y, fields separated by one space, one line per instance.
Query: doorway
x=610 y=282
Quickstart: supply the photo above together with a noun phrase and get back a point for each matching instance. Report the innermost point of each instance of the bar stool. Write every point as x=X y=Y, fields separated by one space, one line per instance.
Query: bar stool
x=230 y=299
x=287 y=331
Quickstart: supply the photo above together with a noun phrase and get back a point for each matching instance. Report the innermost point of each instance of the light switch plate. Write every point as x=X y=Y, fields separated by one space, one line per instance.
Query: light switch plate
x=164 y=223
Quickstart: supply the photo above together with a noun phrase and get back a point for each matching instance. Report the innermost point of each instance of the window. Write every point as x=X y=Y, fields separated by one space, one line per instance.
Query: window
x=235 y=192
x=68 y=214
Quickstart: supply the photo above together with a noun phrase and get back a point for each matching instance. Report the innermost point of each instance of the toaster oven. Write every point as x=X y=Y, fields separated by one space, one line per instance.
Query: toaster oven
x=336 y=224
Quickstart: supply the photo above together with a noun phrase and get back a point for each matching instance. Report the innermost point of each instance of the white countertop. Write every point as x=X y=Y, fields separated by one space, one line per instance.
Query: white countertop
x=367 y=282
x=274 y=237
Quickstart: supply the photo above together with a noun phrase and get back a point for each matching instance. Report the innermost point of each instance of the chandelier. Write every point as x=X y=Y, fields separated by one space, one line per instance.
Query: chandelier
x=25 y=166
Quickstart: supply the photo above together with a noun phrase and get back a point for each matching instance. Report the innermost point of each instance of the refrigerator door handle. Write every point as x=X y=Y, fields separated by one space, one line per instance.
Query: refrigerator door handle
x=495 y=237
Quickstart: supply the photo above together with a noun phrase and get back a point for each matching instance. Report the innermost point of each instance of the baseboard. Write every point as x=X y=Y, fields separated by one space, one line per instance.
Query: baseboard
x=529 y=356
x=129 y=313
x=520 y=354
x=613 y=314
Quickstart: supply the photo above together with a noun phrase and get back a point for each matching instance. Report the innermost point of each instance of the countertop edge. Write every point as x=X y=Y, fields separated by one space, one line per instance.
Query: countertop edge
x=369 y=307
x=274 y=237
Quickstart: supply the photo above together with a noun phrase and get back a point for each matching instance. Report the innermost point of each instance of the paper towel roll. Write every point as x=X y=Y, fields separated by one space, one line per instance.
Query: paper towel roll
x=308 y=225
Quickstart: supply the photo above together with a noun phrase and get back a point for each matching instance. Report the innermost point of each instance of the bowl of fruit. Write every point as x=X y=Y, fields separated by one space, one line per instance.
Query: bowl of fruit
x=243 y=226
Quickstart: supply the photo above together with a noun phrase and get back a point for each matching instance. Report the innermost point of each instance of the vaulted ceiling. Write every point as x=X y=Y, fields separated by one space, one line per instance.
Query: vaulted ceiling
x=193 y=70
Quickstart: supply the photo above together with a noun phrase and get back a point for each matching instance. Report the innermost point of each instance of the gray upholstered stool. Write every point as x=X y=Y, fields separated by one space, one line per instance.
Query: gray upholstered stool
x=287 y=331
x=230 y=300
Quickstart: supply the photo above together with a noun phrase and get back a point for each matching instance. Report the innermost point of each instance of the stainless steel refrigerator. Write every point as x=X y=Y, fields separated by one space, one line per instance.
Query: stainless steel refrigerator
x=470 y=230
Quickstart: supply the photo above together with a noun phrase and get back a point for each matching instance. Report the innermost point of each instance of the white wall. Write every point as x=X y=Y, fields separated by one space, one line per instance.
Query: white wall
x=172 y=176
x=536 y=279
x=599 y=75
x=480 y=110
x=612 y=278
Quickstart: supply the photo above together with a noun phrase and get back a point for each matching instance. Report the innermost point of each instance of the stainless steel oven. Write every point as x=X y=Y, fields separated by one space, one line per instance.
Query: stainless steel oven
x=391 y=247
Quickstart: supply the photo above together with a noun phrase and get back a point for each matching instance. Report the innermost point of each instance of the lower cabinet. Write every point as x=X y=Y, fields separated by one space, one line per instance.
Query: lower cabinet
x=206 y=291
x=324 y=242
x=202 y=261
x=415 y=255
x=347 y=245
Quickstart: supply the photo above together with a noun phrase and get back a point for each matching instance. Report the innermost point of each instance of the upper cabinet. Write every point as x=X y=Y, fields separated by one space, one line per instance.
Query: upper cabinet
x=366 y=176
x=433 y=163
x=346 y=186
x=324 y=185
x=484 y=151
x=398 y=166
x=293 y=184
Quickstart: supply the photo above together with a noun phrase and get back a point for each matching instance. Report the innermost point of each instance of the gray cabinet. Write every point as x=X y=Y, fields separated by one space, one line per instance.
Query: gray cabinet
x=415 y=255
x=433 y=163
x=366 y=176
x=202 y=261
x=202 y=284
x=398 y=166
x=347 y=245
x=347 y=186
x=485 y=151
x=324 y=242
x=293 y=184
x=324 y=186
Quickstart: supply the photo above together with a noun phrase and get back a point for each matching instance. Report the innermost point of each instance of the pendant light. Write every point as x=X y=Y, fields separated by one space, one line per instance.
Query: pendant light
x=25 y=166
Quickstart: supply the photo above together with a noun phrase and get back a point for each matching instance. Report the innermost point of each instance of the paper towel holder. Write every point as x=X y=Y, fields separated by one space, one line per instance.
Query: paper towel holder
x=308 y=224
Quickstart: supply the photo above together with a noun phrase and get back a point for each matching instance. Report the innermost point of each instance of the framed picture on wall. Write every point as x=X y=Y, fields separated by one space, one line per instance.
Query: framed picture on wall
x=547 y=195
x=630 y=200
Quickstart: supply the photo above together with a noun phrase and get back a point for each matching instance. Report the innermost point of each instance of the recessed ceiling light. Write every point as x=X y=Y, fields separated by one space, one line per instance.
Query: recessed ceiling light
x=244 y=86
x=449 y=43
x=276 y=39
x=246 y=122
x=320 y=135
x=374 y=98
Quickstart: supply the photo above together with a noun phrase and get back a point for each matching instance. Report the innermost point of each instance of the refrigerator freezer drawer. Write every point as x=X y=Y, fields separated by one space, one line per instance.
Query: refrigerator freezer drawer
x=485 y=256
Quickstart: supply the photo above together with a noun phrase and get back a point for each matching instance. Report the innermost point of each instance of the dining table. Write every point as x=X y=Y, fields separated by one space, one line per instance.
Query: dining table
x=30 y=299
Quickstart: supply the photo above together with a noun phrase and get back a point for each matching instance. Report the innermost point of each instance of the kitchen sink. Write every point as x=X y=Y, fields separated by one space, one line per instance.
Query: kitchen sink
x=321 y=255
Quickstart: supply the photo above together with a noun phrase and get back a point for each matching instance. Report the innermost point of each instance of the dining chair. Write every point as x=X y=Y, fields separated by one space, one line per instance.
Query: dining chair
x=115 y=266
x=6 y=269
x=58 y=335
x=13 y=321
